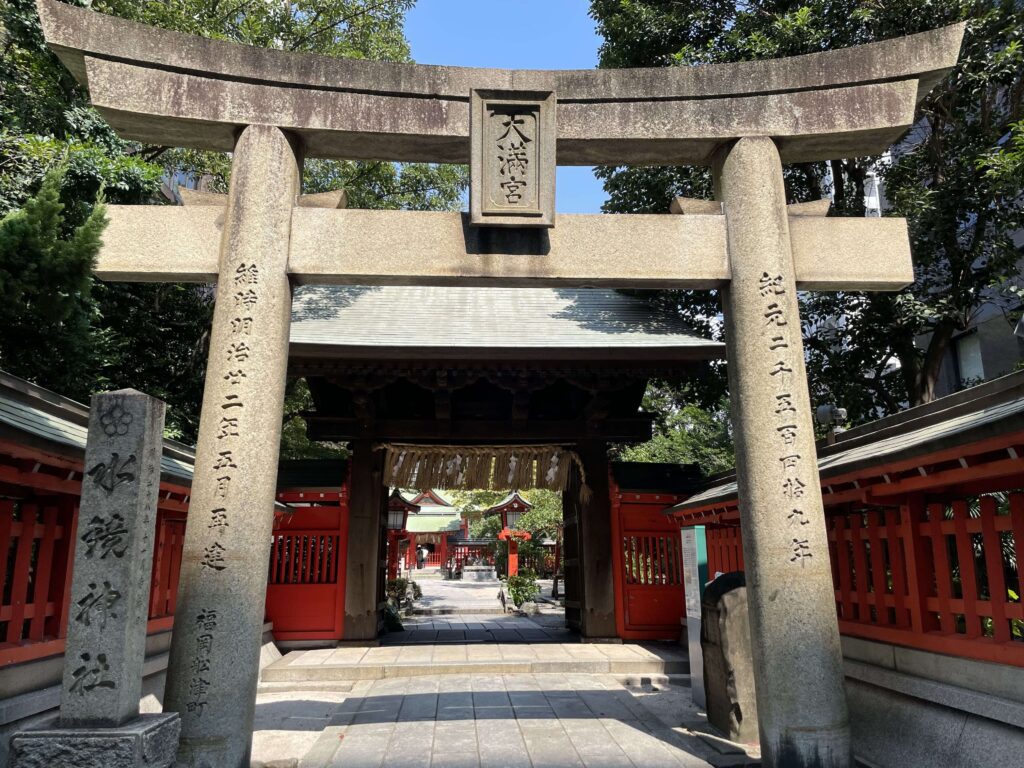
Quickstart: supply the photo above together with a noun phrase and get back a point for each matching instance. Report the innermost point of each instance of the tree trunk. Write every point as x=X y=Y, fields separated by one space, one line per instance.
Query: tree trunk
x=923 y=375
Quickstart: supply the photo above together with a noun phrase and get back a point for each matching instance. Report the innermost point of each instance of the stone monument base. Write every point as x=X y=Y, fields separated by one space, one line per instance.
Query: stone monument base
x=149 y=741
x=479 y=573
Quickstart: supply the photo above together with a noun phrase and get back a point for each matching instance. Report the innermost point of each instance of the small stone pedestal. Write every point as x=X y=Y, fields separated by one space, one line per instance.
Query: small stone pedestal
x=148 y=741
x=484 y=573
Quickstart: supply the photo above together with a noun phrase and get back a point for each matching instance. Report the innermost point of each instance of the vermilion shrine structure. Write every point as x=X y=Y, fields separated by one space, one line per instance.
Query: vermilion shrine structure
x=273 y=109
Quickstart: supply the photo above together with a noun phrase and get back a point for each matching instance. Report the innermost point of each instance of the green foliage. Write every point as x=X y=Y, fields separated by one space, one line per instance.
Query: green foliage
x=957 y=178
x=544 y=519
x=684 y=433
x=45 y=302
x=396 y=589
x=392 y=619
x=523 y=587
x=486 y=528
x=154 y=337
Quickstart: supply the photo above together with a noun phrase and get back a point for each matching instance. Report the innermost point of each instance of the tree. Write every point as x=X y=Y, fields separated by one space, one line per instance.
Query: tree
x=45 y=306
x=543 y=520
x=954 y=177
x=154 y=337
x=684 y=432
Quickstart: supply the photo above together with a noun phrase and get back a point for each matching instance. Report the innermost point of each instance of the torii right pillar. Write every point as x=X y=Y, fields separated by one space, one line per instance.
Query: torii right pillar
x=798 y=665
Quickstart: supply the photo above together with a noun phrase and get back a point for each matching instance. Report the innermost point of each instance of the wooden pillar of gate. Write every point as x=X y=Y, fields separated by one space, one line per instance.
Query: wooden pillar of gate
x=589 y=586
x=364 y=541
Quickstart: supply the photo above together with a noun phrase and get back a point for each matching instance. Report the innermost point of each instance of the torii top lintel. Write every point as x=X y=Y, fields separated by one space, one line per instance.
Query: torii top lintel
x=194 y=92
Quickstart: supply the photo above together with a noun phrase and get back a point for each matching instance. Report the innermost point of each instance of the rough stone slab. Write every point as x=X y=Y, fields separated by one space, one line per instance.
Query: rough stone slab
x=150 y=741
x=363 y=247
x=290 y=669
x=189 y=110
x=973 y=702
x=73 y=32
x=431 y=97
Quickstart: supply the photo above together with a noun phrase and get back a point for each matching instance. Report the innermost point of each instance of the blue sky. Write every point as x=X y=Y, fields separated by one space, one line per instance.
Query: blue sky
x=521 y=34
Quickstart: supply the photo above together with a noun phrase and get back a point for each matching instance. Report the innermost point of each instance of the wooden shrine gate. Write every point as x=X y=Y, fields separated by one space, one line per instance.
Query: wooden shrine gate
x=647 y=551
x=306 y=582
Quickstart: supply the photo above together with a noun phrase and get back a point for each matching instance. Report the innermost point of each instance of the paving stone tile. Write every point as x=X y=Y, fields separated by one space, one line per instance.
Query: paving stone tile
x=457 y=737
x=455 y=760
x=418 y=706
x=450 y=635
x=412 y=759
x=493 y=713
x=456 y=698
x=505 y=760
x=616 y=759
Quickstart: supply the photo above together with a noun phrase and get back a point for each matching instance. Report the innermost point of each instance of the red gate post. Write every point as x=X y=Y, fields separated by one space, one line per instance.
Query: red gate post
x=513 y=557
x=393 y=539
x=513 y=538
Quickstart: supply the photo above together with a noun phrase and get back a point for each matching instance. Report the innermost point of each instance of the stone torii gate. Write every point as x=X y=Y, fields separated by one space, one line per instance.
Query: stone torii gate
x=272 y=109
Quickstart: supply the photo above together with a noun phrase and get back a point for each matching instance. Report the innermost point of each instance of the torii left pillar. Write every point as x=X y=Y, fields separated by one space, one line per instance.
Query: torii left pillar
x=214 y=664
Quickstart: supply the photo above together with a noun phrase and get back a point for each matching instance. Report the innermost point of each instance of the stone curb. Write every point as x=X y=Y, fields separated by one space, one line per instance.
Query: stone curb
x=285 y=673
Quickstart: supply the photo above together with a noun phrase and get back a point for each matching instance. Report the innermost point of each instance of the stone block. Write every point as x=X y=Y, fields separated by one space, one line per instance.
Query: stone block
x=728 y=663
x=149 y=741
x=485 y=573
x=106 y=643
x=512 y=158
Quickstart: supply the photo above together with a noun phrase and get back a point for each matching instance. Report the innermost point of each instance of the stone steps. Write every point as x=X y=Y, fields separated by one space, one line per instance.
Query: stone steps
x=287 y=671
x=459 y=611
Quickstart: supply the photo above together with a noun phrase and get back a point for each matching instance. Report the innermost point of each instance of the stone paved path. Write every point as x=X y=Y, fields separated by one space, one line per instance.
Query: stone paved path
x=481 y=628
x=530 y=720
x=338 y=664
x=443 y=595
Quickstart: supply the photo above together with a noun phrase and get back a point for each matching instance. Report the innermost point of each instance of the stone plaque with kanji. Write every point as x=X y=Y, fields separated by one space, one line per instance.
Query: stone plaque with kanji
x=512 y=137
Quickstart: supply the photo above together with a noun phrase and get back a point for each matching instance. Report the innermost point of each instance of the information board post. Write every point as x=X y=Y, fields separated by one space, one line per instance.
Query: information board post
x=695 y=576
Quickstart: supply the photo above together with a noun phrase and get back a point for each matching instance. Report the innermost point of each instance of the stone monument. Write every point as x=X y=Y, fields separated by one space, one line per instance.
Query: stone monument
x=99 y=725
x=728 y=677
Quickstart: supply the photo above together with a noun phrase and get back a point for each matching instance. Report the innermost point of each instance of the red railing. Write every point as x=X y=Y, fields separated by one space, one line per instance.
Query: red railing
x=543 y=563
x=305 y=557
x=725 y=549
x=36 y=546
x=652 y=560
x=37 y=542
x=163 y=586
x=460 y=553
x=941 y=576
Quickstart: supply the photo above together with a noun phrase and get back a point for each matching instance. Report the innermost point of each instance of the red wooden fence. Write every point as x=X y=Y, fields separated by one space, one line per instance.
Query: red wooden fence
x=163 y=586
x=647 y=566
x=463 y=552
x=306 y=557
x=725 y=549
x=306 y=580
x=36 y=545
x=37 y=540
x=942 y=576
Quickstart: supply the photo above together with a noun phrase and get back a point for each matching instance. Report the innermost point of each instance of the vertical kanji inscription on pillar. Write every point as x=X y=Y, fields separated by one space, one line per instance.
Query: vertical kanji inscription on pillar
x=214 y=663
